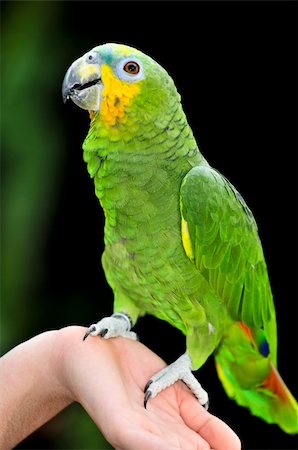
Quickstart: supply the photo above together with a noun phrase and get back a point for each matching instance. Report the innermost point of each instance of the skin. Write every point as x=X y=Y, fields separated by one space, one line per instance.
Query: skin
x=45 y=374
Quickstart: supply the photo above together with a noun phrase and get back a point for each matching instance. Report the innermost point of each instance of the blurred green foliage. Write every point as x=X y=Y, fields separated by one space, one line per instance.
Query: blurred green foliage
x=33 y=159
x=32 y=143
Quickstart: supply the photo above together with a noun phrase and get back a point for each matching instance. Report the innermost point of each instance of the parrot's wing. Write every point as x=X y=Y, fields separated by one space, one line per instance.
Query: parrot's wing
x=220 y=236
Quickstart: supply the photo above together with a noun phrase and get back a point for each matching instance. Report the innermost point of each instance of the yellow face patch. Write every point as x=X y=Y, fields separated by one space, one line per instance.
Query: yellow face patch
x=85 y=71
x=116 y=95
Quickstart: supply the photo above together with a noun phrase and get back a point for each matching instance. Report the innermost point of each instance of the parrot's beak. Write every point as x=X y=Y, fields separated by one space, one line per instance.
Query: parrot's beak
x=82 y=82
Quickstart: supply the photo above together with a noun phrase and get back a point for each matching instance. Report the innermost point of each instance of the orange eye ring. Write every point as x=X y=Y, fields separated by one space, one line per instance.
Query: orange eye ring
x=132 y=68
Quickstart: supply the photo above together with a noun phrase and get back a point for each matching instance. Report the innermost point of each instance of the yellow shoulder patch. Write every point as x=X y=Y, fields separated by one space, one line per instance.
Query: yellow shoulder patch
x=116 y=95
x=186 y=241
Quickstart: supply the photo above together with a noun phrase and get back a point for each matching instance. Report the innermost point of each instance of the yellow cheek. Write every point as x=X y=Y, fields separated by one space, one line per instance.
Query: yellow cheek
x=116 y=95
x=85 y=71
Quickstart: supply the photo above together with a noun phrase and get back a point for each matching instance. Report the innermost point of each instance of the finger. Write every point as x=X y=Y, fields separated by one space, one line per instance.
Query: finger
x=217 y=433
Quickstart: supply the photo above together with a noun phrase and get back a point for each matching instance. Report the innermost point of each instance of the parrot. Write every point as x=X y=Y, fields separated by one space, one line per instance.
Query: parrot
x=181 y=244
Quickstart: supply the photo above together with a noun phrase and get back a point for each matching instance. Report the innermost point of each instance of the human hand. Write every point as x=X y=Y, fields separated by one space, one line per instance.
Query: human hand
x=43 y=375
x=108 y=377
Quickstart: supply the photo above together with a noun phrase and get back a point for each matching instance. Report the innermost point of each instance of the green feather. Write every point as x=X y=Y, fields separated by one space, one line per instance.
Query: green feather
x=149 y=174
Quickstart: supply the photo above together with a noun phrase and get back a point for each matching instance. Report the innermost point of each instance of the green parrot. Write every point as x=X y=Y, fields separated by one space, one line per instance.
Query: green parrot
x=180 y=242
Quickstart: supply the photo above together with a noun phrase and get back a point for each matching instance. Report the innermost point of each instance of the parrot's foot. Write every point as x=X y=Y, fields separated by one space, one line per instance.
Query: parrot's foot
x=178 y=370
x=117 y=324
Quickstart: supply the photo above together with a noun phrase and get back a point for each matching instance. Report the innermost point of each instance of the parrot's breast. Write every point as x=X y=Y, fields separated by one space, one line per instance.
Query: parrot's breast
x=137 y=181
x=144 y=254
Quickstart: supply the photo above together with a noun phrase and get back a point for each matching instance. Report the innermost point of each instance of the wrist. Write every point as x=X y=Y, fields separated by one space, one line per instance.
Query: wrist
x=32 y=391
x=66 y=353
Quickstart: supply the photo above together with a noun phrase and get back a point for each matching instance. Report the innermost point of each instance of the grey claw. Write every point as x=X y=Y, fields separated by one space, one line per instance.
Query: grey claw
x=147 y=385
x=103 y=332
x=206 y=406
x=146 y=398
x=88 y=332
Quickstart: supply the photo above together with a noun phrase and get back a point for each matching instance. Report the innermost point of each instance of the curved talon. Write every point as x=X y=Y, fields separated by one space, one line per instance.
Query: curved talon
x=147 y=385
x=146 y=398
x=206 y=405
x=88 y=332
x=103 y=332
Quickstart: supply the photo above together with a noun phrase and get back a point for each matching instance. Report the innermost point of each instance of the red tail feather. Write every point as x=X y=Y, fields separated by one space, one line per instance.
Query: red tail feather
x=276 y=385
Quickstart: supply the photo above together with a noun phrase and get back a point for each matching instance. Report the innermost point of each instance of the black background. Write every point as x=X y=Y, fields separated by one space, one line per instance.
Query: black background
x=234 y=65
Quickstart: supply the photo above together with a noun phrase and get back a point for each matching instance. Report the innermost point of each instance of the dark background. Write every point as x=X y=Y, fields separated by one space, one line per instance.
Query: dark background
x=234 y=65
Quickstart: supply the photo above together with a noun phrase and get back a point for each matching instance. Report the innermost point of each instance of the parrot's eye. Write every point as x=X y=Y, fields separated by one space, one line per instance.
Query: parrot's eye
x=129 y=70
x=90 y=57
x=132 y=68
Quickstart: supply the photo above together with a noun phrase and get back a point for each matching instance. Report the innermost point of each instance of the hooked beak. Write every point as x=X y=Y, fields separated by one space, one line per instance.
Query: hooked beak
x=82 y=82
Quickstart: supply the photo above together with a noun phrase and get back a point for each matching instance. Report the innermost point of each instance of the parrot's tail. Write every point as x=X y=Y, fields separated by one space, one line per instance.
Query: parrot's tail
x=249 y=377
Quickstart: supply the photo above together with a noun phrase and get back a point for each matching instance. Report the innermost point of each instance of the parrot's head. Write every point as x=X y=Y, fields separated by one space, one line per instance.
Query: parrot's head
x=118 y=85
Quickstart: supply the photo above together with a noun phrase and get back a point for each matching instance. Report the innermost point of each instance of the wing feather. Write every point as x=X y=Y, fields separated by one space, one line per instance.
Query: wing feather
x=227 y=249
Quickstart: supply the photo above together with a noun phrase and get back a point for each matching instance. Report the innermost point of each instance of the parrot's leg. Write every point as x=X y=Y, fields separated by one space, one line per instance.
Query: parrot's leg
x=178 y=370
x=118 y=324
